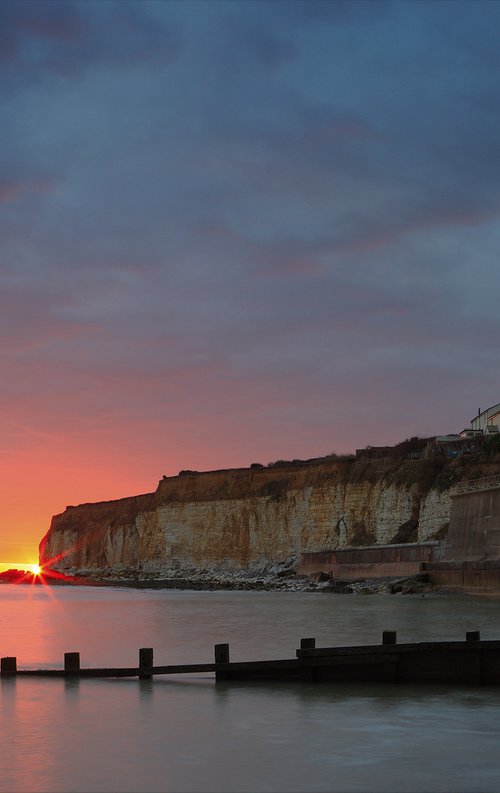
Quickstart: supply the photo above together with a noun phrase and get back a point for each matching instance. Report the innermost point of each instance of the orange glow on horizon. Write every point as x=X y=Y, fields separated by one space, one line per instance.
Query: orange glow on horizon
x=24 y=573
x=25 y=567
x=35 y=573
x=30 y=502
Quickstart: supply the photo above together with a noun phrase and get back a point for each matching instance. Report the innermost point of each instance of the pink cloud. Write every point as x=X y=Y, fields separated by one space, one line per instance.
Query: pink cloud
x=61 y=25
x=11 y=190
x=311 y=260
x=427 y=221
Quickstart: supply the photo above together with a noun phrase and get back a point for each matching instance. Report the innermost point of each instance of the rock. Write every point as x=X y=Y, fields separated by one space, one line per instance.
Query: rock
x=397 y=585
x=319 y=577
x=413 y=588
x=339 y=587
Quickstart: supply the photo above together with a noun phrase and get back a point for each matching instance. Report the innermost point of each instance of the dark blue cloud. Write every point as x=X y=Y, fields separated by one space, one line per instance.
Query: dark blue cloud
x=43 y=38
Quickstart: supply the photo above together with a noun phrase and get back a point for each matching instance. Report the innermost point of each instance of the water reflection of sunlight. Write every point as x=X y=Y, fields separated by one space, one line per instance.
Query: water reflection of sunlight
x=29 y=765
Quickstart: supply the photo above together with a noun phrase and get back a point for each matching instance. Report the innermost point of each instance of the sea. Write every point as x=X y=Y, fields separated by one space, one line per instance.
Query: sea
x=190 y=734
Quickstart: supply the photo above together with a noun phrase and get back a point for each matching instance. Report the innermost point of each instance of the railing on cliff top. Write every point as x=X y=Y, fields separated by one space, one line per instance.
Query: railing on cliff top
x=483 y=483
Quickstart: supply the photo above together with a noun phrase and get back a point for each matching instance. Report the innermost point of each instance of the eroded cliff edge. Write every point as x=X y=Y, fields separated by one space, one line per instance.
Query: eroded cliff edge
x=249 y=518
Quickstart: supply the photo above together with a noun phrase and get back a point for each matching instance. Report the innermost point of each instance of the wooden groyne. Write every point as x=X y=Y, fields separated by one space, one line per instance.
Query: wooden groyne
x=469 y=662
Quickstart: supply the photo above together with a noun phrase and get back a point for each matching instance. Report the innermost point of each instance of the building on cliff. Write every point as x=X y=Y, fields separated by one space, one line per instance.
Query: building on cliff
x=488 y=420
x=469 y=440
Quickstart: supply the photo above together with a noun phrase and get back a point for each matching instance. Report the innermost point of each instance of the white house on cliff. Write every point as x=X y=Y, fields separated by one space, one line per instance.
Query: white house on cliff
x=487 y=420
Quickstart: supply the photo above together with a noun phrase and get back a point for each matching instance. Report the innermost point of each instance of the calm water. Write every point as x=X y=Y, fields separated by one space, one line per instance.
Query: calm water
x=188 y=734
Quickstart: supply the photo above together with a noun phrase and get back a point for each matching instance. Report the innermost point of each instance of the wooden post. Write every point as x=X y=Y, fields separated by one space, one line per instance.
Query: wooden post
x=473 y=636
x=221 y=653
x=145 y=663
x=308 y=674
x=389 y=637
x=71 y=662
x=8 y=665
x=221 y=657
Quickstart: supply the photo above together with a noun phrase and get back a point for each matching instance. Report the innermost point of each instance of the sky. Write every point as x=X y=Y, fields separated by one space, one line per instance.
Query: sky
x=236 y=232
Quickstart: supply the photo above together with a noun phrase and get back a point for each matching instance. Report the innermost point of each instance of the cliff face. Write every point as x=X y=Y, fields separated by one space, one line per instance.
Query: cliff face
x=246 y=518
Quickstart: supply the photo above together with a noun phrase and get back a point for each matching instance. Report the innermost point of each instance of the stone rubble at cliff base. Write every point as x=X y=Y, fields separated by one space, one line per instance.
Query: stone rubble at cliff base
x=272 y=577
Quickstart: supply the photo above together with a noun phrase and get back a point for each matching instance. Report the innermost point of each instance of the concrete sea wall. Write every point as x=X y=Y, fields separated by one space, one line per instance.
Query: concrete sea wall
x=472 y=554
x=346 y=564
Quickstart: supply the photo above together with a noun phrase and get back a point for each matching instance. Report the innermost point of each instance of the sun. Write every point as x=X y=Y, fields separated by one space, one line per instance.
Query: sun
x=36 y=569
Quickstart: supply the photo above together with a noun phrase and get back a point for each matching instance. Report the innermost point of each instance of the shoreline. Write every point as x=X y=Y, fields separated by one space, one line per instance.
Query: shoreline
x=387 y=585
x=272 y=579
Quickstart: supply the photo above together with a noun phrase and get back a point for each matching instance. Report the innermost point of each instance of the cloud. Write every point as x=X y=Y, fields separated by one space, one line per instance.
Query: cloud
x=12 y=190
x=9 y=191
x=48 y=20
x=64 y=39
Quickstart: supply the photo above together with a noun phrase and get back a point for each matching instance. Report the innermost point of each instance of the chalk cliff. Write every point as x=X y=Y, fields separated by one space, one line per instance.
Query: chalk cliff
x=248 y=518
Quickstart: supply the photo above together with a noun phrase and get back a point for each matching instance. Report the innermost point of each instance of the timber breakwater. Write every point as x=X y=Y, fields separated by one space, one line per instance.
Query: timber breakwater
x=469 y=662
x=248 y=523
